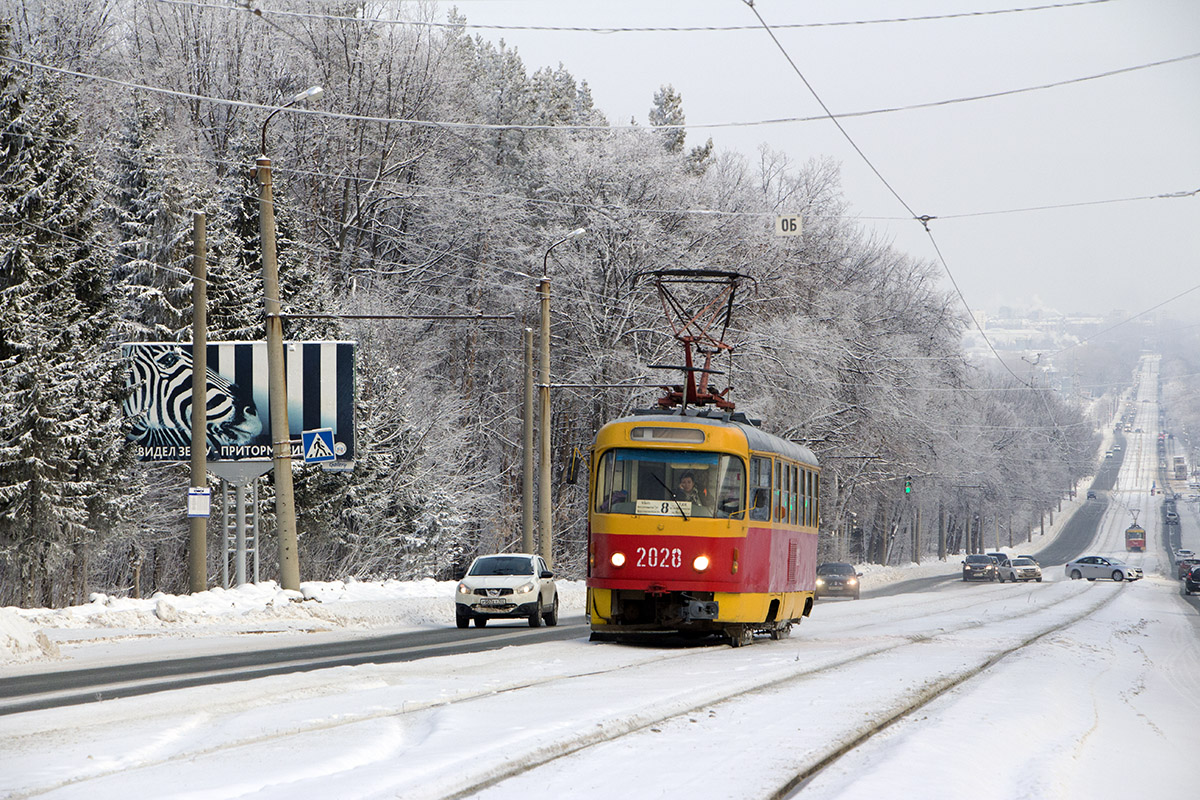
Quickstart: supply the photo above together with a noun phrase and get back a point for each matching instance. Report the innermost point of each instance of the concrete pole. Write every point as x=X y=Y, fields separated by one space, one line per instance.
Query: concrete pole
x=547 y=537
x=544 y=501
x=527 y=472
x=285 y=499
x=941 y=531
x=917 y=538
x=198 y=526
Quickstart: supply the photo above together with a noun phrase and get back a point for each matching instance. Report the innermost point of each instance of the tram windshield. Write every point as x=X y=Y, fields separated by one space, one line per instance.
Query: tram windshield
x=670 y=483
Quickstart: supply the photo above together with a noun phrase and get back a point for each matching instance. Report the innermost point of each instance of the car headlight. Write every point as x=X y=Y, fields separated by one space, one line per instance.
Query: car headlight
x=463 y=588
x=820 y=581
x=526 y=588
x=852 y=581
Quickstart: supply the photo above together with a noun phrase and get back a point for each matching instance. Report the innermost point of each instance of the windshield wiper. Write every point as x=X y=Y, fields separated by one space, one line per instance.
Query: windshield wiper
x=678 y=505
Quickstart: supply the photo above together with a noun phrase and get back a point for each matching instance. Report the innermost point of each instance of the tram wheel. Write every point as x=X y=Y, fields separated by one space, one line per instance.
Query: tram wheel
x=782 y=631
x=739 y=635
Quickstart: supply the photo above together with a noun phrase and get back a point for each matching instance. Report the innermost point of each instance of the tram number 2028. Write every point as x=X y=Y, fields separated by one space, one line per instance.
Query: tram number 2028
x=659 y=557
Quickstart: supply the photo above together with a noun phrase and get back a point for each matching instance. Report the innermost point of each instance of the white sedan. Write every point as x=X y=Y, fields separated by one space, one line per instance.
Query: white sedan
x=1092 y=567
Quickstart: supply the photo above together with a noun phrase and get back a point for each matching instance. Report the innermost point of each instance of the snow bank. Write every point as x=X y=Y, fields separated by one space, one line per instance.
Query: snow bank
x=335 y=607
x=21 y=642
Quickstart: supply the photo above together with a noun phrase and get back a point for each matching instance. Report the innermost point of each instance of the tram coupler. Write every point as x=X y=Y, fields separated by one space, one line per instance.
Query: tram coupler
x=699 y=609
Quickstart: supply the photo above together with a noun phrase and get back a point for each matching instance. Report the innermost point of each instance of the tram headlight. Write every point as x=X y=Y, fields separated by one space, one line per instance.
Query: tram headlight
x=617 y=559
x=701 y=563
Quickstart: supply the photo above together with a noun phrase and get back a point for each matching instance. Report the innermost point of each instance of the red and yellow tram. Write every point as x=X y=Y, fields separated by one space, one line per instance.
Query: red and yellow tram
x=1135 y=538
x=733 y=551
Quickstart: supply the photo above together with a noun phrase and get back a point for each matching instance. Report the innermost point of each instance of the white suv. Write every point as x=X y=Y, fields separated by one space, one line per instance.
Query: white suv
x=507 y=586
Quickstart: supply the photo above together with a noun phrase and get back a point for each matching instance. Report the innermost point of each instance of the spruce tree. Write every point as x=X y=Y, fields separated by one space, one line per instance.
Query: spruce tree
x=60 y=379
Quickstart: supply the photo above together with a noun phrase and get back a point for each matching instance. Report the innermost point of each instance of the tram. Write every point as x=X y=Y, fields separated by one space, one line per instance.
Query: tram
x=738 y=557
x=699 y=522
x=1135 y=538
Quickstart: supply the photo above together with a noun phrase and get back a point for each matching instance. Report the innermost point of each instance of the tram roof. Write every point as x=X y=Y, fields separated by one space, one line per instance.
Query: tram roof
x=756 y=437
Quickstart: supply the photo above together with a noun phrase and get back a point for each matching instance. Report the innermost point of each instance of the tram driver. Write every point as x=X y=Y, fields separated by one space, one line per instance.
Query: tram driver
x=688 y=490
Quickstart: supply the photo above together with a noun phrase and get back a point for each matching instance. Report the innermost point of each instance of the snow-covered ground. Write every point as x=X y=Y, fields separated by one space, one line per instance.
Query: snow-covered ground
x=1060 y=689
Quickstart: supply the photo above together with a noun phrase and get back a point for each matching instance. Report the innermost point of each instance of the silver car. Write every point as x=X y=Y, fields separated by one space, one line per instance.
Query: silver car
x=507 y=586
x=1093 y=567
x=1020 y=568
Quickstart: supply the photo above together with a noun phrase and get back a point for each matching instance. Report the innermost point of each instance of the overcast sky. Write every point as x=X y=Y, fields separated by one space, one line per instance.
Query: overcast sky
x=1132 y=135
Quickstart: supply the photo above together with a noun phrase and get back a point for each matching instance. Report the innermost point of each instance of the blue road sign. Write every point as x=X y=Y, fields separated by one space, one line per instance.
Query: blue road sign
x=318 y=445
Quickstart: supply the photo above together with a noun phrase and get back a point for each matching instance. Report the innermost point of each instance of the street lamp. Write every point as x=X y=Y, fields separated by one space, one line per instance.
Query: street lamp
x=544 y=396
x=281 y=441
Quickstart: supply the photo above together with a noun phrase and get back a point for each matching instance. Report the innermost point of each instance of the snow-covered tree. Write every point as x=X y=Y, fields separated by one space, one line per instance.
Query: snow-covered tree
x=60 y=380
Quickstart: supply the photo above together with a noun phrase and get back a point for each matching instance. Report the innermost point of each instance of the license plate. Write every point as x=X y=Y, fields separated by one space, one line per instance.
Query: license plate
x=493 y=601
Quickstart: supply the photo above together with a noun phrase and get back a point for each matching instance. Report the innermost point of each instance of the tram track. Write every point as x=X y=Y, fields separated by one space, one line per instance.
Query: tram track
x=525 y=770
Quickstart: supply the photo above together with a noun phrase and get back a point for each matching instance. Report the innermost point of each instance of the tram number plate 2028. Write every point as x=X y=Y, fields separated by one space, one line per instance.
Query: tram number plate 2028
x=659 y=557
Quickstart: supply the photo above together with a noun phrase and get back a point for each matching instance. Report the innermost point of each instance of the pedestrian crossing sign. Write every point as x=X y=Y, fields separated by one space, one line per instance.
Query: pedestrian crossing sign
x=318 y=445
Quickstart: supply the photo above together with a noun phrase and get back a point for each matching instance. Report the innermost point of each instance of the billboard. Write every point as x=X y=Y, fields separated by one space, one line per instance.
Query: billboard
x=158 y=403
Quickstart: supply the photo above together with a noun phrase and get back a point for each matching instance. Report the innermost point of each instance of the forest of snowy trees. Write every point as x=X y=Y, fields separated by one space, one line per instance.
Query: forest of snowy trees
x=429 y=180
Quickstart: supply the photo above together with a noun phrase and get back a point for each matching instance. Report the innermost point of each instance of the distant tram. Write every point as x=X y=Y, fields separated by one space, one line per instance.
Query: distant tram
x=1135 y=538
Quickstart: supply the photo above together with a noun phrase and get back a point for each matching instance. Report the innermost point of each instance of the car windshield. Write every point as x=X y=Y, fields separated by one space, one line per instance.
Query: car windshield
x=1022 y=562
x=670 y=483
x=835 y=569
x=979 y=559
x=502 y=565
x=1116 y=562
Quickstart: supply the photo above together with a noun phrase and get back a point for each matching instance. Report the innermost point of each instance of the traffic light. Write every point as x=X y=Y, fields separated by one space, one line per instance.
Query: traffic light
x=907 y=485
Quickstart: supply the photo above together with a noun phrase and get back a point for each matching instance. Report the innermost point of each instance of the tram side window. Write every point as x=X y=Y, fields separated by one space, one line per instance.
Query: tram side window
x=760 y=488
x=806 y=489
x=779 y=491
x=816 y=499
x=788 y=499
x=793 y=485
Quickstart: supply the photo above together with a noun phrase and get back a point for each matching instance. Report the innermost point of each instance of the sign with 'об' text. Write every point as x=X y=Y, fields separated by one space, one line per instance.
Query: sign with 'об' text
x=158 y=404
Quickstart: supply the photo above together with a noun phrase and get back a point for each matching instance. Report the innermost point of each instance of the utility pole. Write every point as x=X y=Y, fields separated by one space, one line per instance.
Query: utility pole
x=281 y=440
x=941 y=531
x=198 y=526
x=527 y=454
x=917 y=537
x=544 y=510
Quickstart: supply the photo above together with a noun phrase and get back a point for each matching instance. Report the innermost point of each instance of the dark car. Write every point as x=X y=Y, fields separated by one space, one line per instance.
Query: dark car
x=1184 y=566
x=1091 y=495
x=1191 y=582
x=979 y=568
x=1000 y=558
x=837 y=579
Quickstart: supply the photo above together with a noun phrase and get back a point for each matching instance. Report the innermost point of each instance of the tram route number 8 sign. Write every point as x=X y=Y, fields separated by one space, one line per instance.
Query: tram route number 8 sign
x=788 y=225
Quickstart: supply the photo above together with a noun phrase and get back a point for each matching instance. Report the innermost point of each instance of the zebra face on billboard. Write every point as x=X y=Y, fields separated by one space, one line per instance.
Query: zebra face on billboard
x=159 y=402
